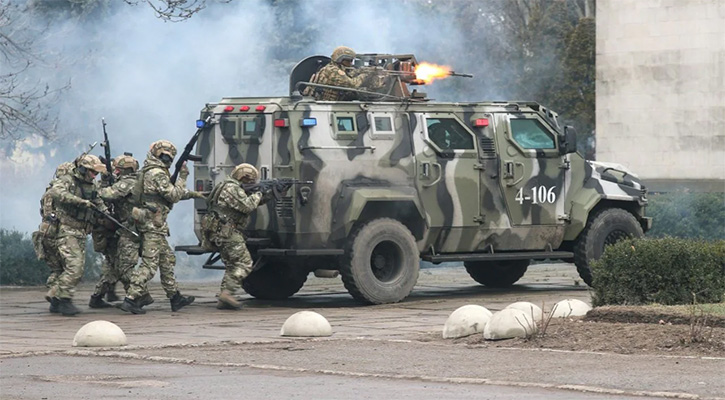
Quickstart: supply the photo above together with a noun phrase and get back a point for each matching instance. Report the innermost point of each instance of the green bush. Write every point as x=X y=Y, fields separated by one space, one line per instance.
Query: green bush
x=18 y=263
x=664 y=271
x=20 y=266
x=687 y=215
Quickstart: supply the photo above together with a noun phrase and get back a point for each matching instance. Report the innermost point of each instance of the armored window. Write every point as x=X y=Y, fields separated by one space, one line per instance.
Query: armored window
x=531 y=134
x=448 y=134
x=345 y=127
x=383 y=124
x=247 y=129
x=345 y=124
x=382 y=127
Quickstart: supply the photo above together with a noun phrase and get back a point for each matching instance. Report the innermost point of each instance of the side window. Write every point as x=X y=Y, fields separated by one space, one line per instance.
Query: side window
x=383 y=124
x=382 y=127
x=448 y=134
x=531 y=134
x=344 y=127
x=345 y=124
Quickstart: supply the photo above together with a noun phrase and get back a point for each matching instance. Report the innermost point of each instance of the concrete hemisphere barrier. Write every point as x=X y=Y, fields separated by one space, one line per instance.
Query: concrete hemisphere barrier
x=306 y=324
x=509 y=323
x=570 y=308
x=99 y=334
x=530 y=309
x=465 y=321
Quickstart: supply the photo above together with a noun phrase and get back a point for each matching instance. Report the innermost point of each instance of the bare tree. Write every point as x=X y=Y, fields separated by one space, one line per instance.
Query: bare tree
x=174 y=10
x=24 y=101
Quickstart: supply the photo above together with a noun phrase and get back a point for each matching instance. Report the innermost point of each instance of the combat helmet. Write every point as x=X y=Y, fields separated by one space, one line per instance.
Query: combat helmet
x=89 y=162
x=125 y=161
x=245 y=172
x=160 y=147
x=342 y=53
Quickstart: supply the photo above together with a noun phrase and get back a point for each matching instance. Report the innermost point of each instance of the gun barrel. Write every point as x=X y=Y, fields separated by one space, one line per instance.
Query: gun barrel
x=454 y=73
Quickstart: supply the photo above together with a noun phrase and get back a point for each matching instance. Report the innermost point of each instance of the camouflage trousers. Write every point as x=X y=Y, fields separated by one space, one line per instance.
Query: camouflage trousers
x=71 y=245
x=120 y=258
x=237 y=260
x=156 y=254
x=52 y=259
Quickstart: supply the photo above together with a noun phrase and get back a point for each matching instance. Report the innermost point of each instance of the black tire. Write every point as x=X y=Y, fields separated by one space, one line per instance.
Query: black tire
x=497 y=274
x=606 y=227
x=275 y=280
x=381 y=263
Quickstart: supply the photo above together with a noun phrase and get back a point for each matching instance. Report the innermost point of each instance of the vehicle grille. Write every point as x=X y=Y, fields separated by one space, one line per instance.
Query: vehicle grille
x=488 y=148
x=283 y=207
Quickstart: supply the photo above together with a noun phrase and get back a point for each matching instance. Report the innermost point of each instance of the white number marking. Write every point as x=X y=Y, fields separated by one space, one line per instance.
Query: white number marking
x=539 y=194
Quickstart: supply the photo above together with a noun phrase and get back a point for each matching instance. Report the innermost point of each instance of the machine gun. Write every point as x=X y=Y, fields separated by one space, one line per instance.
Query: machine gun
x=107 y=153
x=186 y=154
x=275 y=186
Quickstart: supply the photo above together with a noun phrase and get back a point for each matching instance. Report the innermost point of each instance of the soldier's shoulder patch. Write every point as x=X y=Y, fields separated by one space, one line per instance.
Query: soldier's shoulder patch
x=340 y=72
x=123 y=185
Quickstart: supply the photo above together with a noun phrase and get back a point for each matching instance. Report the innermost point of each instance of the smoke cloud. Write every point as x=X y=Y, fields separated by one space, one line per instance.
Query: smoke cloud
x=149 y=79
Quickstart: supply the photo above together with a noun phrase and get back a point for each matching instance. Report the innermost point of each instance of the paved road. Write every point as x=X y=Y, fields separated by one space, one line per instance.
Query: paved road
x=375 y=352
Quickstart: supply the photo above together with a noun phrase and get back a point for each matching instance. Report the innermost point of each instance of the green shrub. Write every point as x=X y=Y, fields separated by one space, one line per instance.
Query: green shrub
x=687 y=215
x=665 y=271
x=20 y=266
x=18 y=263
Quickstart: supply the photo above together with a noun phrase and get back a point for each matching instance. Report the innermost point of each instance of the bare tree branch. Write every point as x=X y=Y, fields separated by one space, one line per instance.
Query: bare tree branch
x=25 y=102
x=174 y=10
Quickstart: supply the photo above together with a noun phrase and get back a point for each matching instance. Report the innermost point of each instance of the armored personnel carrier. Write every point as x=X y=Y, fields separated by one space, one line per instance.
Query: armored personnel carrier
x=397 y=178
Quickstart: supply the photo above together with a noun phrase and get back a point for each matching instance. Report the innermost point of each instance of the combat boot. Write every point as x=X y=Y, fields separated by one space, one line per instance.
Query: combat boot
x=145 y=300
x=227 y=301
x=97 y=302
x=129 y=305
x=112 y=296
x=54 y=302
x=67 y=308
x=50 y=295
x=109 y=290
x=178 y=301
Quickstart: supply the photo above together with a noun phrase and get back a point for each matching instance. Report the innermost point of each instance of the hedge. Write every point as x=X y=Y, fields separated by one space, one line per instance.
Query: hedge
x=665 y=271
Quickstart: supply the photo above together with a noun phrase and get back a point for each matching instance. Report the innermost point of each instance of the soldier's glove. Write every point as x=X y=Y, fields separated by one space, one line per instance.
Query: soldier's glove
x=196 y=195
x=184 y=172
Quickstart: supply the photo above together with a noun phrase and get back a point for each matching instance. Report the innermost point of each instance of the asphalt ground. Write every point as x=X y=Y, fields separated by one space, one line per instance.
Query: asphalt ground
x=382 y=351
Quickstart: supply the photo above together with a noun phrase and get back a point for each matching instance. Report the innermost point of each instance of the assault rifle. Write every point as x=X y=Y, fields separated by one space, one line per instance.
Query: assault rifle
x=186 y=154
x=275 y=186
x=107 y=153
x=115 y=222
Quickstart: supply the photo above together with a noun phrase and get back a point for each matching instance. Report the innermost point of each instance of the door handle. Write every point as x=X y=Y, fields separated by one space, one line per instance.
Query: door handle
x=510 y=172
x=437 y=179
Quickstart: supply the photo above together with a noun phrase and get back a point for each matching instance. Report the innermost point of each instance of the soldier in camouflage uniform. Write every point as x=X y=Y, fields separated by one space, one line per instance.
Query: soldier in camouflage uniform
x=154 y=196
x=123 y=248
x=44 y=239
x=229 y=209
x=339 y=72
x=74 y=196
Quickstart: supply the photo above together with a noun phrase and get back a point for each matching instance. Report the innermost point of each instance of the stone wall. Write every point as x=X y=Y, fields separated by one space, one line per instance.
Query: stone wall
x=661 y=90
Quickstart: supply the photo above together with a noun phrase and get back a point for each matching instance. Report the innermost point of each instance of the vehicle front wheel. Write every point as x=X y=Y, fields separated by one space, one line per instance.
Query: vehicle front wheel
x=497 y=274
x=381 y=263
x=603 y=229
x=275 y=280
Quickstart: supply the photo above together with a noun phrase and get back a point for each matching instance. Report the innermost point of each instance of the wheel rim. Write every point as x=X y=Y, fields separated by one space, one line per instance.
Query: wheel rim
x=385 y=261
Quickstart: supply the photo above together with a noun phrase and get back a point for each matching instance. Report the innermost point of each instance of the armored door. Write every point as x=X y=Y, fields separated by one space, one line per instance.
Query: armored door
x=533 y=178
x=447 y=180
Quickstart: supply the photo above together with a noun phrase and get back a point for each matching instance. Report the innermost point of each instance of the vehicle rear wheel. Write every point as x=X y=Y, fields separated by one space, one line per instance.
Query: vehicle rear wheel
x=275 y=280
x=605 y=228
x=497 y=274
x=382 y=262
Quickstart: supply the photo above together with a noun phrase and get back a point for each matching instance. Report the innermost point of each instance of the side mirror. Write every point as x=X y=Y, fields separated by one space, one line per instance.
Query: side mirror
x=567 y=141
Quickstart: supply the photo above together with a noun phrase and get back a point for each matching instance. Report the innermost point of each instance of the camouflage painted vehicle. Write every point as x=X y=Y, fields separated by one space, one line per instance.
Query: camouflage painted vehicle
x=492 y=184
